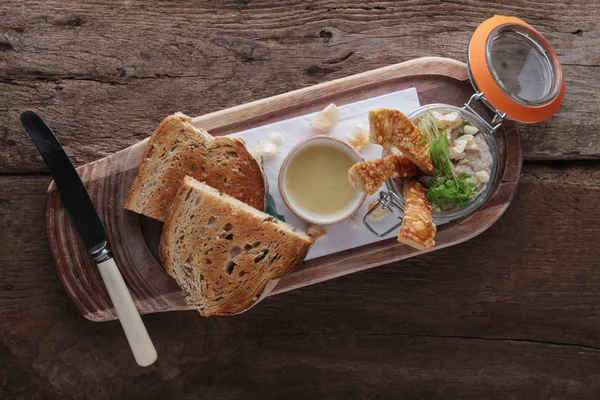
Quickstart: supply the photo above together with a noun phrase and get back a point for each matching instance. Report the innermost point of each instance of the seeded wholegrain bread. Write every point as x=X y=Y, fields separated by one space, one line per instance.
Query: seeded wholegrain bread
x=177 y=149
x=222 y=252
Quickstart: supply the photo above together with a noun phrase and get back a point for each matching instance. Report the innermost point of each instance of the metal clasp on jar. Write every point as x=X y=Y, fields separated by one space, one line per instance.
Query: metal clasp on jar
x=389 y=201
x=498 y=116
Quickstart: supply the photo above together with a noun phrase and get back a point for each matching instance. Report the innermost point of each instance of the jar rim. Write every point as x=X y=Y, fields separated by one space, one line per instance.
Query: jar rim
x=485 y=78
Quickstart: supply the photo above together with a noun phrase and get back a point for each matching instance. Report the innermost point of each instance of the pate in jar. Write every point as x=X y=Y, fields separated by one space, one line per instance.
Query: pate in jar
x=515 y=73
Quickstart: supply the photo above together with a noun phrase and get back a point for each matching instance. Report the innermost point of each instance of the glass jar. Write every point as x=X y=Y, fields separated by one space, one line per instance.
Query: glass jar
x=515 y=73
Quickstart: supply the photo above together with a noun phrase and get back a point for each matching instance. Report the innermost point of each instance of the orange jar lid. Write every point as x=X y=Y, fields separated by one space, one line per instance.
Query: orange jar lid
x=516 y=69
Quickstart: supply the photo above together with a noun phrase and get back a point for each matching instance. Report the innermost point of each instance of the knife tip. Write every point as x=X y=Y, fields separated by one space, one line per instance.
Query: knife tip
x=26 y=115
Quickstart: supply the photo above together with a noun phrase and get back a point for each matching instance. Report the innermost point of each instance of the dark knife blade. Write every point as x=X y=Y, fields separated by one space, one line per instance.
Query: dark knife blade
x=73 y=193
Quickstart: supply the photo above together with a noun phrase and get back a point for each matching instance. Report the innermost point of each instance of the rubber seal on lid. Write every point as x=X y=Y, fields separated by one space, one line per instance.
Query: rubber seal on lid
x=516 y=69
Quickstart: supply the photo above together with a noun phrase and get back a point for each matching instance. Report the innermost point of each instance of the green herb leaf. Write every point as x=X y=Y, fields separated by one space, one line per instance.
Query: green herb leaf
x=271 y=209
x=446 y=189
x=449 y=193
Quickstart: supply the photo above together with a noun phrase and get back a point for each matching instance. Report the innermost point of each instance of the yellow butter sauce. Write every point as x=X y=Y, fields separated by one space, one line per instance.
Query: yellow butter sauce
x=317 y=179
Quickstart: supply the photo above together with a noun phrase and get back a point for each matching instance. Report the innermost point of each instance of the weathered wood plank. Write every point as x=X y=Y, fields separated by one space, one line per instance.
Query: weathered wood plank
x=198 y=38
x=326 y=367
x=471 y=321
x=63 y=60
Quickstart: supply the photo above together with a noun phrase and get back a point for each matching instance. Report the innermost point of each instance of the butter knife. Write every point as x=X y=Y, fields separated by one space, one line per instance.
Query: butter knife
x=80 y=207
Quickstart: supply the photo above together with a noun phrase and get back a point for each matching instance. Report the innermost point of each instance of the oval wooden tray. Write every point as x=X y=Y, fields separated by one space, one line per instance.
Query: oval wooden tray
x=134 y=239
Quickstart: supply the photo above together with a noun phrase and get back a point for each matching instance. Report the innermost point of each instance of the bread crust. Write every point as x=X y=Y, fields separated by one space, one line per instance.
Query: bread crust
x=177 y=149
x=224 y=253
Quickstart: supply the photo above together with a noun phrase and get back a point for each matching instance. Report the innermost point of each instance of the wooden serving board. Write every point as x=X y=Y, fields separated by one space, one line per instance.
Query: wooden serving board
x=134 y=239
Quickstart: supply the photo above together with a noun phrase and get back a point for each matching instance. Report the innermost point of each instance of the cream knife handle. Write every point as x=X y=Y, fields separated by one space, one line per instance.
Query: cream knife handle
x=137 y=335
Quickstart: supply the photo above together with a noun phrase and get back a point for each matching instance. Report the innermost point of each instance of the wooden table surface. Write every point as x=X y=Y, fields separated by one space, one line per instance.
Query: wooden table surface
x=513 y=313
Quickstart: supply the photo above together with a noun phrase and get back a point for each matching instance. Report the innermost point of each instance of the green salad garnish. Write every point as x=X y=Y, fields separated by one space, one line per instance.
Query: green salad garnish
x=272 y=209
x=446 y=188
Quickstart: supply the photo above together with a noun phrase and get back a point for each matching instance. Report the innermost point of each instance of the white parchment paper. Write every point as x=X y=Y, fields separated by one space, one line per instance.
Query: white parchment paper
x=346 y=234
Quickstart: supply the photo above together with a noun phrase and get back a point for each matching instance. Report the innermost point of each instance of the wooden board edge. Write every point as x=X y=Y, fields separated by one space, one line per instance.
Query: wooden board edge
x=303 y=277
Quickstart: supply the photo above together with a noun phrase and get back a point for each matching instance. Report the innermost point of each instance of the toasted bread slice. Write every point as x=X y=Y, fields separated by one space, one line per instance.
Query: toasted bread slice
x=177 y=149
x=392 y=128
x=368 y=176
x=418 y=229
x=222 y=252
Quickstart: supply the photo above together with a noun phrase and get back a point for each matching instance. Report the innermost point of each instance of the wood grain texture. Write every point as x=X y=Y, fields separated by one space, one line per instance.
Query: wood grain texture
x=99 y=69
x=511 y=313
x=109 y=180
